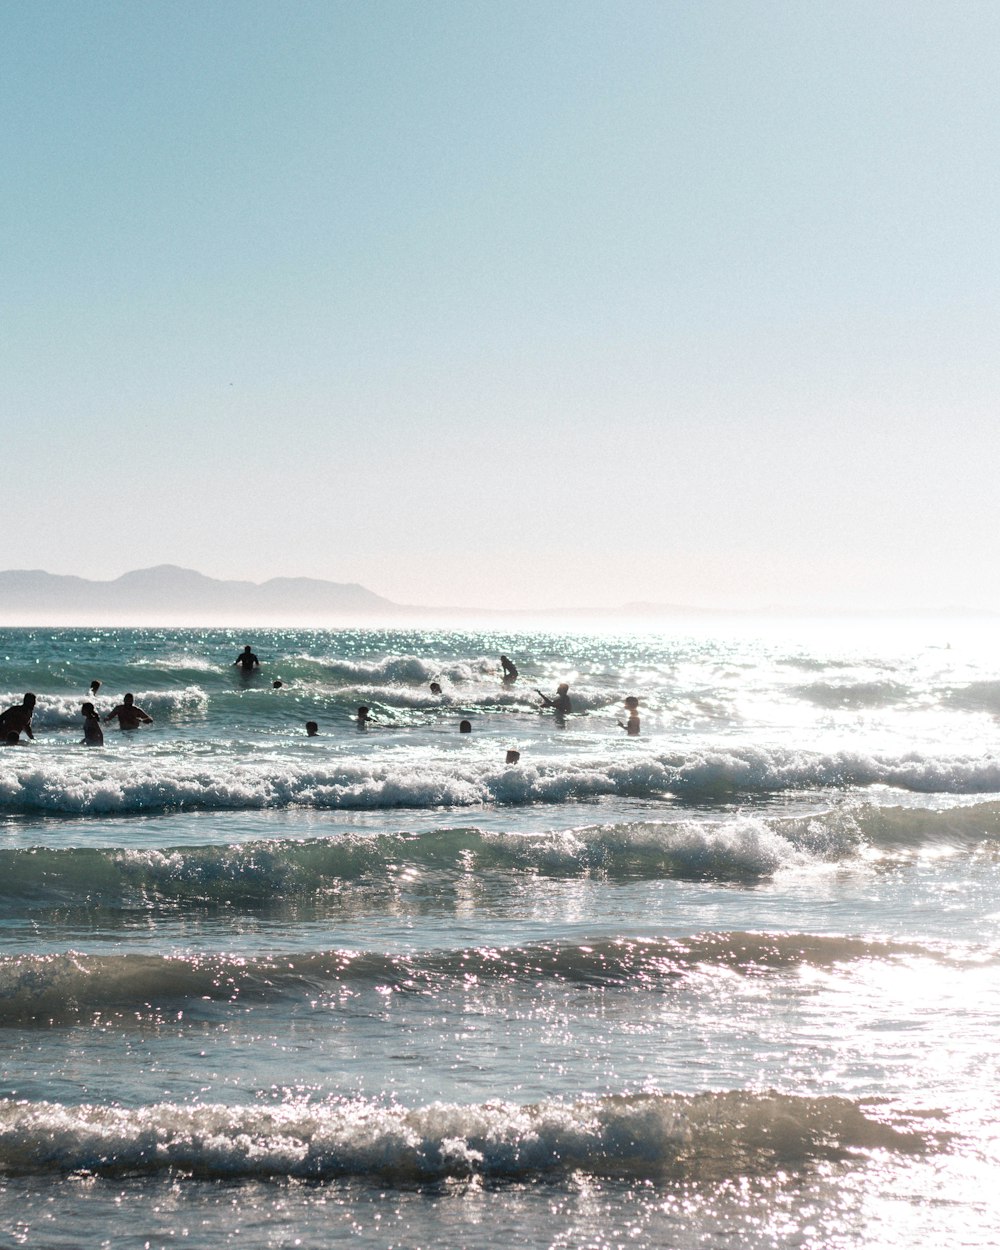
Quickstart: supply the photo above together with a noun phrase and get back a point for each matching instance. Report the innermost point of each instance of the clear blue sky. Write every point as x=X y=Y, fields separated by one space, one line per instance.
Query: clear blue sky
x=506 y=304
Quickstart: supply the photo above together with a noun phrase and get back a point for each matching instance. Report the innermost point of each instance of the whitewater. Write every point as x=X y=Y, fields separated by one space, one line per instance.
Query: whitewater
x=734 y=982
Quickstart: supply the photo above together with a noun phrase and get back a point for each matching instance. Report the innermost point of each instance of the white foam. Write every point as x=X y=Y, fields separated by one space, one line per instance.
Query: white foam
x=627 y=1135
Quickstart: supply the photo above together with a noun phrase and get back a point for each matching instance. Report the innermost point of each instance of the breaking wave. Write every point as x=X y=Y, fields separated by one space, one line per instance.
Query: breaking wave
x=646 y=1135
x=97 y=782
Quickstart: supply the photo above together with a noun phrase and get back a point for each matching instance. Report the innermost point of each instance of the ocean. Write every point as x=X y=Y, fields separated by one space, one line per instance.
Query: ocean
x=732 y=982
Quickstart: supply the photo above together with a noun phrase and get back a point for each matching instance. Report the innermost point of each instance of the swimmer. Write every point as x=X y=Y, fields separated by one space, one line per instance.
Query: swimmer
x=465 y=727
x=363 y=718
x=18 y=718
x=276 y=685
x=247 y=661
x=512 y=756
x=94 y=687
x=128 y=715
x=312 y=729
x=93 y=734
x=560 y=704
x=509 y=670
x=435 y=687
x=632 y=726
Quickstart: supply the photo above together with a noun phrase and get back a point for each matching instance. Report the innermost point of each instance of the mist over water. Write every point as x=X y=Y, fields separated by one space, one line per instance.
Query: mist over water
x=733 y=981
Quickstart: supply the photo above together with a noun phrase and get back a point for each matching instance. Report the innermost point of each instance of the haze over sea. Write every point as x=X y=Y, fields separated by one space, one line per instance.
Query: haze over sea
x=734 y=982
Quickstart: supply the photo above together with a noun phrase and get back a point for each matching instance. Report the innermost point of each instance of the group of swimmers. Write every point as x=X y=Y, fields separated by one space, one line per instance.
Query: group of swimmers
x=17 y=719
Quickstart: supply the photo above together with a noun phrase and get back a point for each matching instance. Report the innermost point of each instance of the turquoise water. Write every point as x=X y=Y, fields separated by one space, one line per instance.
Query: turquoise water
x=732 y=982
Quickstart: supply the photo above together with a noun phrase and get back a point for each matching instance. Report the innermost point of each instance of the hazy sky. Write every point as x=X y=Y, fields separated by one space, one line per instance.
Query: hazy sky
x=506 y=304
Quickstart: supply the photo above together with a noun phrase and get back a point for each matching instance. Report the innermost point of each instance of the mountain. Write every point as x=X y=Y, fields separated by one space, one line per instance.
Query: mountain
x=168 y=594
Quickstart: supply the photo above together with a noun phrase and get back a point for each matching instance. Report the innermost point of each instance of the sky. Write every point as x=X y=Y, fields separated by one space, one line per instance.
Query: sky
x=506 y=304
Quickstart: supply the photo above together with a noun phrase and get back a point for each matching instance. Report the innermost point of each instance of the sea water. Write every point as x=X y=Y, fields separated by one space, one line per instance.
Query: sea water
x=733 y=982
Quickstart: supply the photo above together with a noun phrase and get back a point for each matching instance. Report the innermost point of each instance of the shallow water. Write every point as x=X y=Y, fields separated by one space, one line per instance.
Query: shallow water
x=734 y=982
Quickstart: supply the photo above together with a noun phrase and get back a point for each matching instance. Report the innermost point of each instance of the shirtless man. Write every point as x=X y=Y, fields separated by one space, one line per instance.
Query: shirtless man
x=18 y=718
x=247 y=661
x=509 y=670
x=129 y=716
x=561 y=703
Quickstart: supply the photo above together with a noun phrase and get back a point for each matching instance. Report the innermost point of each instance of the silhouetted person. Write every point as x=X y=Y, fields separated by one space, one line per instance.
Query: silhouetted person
x=363 y=718
x=632 y=726
x=247 y=660
x=509 y=670
x=276 y=685
x=312 y=729
x=93 y=734
x=13 y=739
x=95 y=685
x=512 y=756
x=435 y=687
x=18 y=717
x=465 y=727
x=128 y=715
x=560 y=704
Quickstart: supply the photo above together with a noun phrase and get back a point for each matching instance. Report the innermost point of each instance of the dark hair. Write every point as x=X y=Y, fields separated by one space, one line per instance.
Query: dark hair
x=465 y=727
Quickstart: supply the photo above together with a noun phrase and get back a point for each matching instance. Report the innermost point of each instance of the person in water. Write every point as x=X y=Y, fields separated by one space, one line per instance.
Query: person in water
x=13 y=739
x=363 y=718
x=560 y=703
x=93 y=734
x=312 y=729
x=512 y=756
x=632 y=726
x=18 y=717
x=247 y=660
x=465 y=727
x=435 y=687
x=128 y=715
x=509 y=670
x=95 y=685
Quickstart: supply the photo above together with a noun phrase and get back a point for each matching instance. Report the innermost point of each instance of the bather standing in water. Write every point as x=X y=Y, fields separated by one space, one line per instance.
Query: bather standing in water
x=560 y=703
x=93 y=734
x=18 y=718
x=247 y=661
x=632 y=726
x=128 y=715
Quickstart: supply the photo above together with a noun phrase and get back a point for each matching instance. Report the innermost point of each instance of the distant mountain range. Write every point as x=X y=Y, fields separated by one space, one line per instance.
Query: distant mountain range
x=170 y=595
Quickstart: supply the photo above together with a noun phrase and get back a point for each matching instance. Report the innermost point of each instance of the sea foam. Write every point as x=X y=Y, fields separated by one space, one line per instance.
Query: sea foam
x=650 y=1135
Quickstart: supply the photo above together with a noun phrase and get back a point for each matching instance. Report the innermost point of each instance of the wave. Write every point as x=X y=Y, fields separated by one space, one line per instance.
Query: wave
x=853 y=694
x=649 y=1135
x=108 y=782
x=69 y=987
x=261 y=873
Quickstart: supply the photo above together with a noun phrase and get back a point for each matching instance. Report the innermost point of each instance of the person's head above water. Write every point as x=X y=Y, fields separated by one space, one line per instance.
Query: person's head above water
x=632 y=701
x=435 y=688
x=88 y=709
x=29 y=700
x=95 y=686
x=312 y=729
x=246 y=649
x=129 y=698
x=562 y=688
x=512 y=756
x=465 y=727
